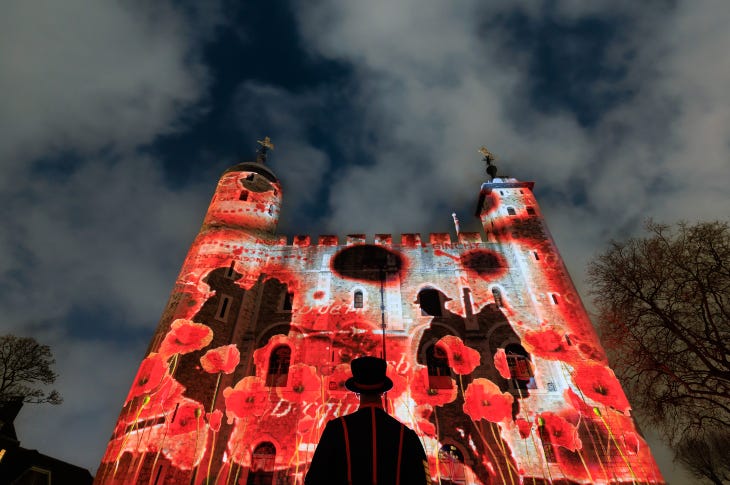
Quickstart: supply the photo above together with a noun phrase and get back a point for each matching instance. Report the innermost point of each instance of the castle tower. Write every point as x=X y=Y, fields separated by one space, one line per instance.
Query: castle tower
x=494 y=361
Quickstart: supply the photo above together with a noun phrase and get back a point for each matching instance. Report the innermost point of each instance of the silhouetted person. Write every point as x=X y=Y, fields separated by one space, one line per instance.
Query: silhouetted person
x=368 y=447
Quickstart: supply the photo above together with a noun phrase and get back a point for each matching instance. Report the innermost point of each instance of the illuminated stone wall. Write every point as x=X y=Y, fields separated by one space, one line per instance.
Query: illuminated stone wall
x=494 y=361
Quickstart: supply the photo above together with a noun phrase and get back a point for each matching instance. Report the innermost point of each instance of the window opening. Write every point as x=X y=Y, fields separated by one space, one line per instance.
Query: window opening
x=554 y=297
x=230 y=271
x=439 y=373
x=497 y=297
x=520 y=367
x=511 y=211
x=244 y=195
x=262 y=464
x=278 y=366
x=357 y=300
x=250 y=176
x=530 y=210
x=223 y=308
x=271 y=209
x=430 y=301
x=451 y=465
x=536 y=255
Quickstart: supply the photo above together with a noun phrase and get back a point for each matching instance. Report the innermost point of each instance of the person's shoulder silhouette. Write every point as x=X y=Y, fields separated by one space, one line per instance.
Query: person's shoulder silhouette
x=368 y=446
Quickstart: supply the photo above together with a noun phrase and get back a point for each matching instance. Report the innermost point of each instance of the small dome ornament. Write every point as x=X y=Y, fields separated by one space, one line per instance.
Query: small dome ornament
x=489 y=157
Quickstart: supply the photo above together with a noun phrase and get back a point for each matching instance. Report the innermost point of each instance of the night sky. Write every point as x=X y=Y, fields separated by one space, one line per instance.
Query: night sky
x=117 y=118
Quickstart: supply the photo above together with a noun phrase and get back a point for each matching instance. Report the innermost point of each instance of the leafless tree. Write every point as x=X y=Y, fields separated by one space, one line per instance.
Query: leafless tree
x=25 y=368
x=707 y=457
x=663 y=304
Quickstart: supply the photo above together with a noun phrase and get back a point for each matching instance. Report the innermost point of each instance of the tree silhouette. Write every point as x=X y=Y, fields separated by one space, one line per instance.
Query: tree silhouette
x=663 y=306
x=25 y=367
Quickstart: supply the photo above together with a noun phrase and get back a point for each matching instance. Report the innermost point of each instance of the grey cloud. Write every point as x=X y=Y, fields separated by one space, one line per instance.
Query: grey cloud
x=83 y=75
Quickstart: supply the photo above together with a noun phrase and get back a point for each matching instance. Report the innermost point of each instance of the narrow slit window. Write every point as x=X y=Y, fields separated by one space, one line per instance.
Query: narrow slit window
x=536 y=255
x=357 y=299
x=554 y=297
x=223 y=308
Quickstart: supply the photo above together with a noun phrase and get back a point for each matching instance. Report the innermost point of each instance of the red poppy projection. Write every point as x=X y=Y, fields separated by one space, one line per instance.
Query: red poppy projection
x=494 y=361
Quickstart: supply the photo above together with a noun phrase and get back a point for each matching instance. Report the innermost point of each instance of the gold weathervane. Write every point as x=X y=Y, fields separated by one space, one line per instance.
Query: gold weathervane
x=488 y=156
x=266 y=143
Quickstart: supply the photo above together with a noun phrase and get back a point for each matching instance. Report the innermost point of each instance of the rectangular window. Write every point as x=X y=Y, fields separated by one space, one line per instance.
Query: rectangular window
x=357 y=301
x=244 y=195
x=511 y=211
x=554 y=297
x=530 y=210
x=536 y=255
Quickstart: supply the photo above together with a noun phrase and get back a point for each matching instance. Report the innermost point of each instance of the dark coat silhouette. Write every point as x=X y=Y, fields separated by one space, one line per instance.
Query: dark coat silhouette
x=330 y=462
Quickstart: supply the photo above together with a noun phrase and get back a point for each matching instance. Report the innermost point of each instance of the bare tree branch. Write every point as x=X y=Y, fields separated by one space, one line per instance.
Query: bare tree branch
x=25 y=369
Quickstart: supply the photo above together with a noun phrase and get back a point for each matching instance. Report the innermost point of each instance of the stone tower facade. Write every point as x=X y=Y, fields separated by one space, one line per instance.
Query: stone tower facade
x=494 y=361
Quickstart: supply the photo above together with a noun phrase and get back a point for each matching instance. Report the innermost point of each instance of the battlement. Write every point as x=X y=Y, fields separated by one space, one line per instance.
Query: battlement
x=407 y=240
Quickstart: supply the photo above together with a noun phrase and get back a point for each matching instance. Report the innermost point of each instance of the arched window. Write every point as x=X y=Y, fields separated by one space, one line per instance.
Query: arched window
x=278 y=366
x=357 y=299
x=262 y=464
x=497 y=297
x=451 y=465
x=439 y=374
x=520 y=367
x=430 y=301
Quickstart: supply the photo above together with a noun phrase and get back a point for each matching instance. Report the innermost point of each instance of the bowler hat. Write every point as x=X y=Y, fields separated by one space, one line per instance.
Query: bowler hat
x=368 y=376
